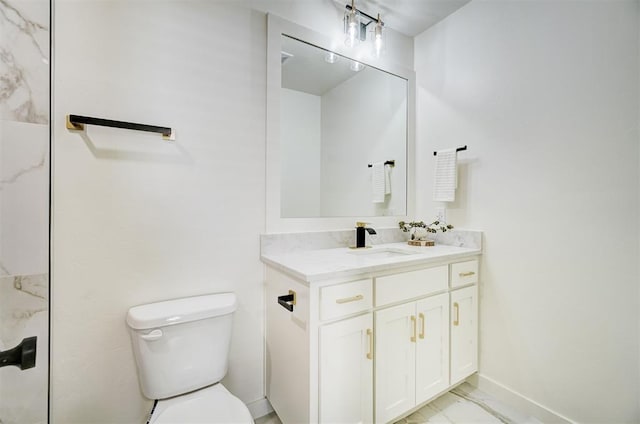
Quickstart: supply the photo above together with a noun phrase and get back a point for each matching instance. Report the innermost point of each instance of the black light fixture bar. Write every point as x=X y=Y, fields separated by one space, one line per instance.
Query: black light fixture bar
x=366 y=15
x=77 y=122
x=459 y=149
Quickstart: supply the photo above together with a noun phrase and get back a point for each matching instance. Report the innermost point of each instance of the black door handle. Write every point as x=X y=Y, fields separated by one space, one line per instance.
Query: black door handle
x=23 y=355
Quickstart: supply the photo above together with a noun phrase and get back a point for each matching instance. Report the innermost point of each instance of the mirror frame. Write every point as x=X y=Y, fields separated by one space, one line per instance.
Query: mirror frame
x=276 y=27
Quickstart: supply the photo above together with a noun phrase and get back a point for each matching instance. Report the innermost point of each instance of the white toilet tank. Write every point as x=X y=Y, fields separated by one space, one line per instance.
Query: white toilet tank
x=181 y=345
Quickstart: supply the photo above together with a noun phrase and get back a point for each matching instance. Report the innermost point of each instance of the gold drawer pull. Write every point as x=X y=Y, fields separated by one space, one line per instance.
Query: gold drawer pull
x=349 y=299
x=370 y=336
x=456 y=321
x=413 y=321
x=467 y=274
x=421 y=316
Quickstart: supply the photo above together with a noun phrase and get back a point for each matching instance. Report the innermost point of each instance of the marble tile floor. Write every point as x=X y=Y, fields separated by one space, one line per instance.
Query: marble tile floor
x=463 y=405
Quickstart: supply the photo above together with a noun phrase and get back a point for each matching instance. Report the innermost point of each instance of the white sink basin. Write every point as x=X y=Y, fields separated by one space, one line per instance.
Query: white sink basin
x=382 y=253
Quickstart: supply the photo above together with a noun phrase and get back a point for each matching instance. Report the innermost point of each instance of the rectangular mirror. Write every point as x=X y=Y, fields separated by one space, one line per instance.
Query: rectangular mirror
x=338 y=117
x=339 y=134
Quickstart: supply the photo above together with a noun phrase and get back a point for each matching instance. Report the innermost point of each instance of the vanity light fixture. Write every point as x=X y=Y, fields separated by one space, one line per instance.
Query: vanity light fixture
x=355 y=28
x=352 y=25
x=378 y=40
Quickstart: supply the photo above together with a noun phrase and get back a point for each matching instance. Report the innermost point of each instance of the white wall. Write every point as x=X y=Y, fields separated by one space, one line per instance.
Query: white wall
x=545 y=94
x=376 y=103
x=138 y=220
x=300 y=141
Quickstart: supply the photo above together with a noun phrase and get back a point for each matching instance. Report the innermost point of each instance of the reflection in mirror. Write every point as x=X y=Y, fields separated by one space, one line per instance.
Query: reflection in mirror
x=337 y=118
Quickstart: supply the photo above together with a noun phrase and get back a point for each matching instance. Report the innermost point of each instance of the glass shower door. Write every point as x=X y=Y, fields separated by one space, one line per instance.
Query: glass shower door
x=24 y=210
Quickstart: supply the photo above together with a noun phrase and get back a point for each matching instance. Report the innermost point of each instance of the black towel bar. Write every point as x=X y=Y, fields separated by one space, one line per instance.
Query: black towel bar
x=459 y=149
x=391 y=163
x=77 y=122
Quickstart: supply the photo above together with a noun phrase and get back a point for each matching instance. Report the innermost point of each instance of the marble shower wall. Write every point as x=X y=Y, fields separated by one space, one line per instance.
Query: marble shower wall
x=24 y=313
x=24 y=61
x=24 y=136
x=24 y=203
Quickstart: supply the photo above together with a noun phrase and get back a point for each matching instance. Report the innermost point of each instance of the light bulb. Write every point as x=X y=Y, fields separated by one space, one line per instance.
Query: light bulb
x=378 y=45
x=352 y=26
x=378 y=42
x=352 y=31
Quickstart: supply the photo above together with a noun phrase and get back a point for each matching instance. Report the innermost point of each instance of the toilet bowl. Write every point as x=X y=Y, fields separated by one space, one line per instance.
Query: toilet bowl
x=181 y=348
x=213 y=404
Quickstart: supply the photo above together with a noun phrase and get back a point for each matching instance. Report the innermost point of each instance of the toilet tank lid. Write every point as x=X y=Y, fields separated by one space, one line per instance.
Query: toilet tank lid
x=177 y=311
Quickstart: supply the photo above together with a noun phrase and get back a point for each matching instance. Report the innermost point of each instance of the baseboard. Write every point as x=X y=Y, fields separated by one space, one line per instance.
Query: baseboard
x=262 y=407
x=516 y=400
x=259 y=408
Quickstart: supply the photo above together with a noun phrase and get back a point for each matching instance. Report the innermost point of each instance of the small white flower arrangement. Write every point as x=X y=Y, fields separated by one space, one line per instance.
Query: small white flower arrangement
x=420 y=231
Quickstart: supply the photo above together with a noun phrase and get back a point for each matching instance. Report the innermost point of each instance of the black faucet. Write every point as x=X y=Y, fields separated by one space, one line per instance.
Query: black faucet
x=360 y=233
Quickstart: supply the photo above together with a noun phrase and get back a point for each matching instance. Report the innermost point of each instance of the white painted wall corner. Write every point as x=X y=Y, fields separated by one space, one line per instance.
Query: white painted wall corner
x=511 y=397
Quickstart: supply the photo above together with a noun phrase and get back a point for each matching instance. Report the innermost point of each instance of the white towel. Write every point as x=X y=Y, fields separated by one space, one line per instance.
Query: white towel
x=446 y=176
x=377 y=182
x=387 y=179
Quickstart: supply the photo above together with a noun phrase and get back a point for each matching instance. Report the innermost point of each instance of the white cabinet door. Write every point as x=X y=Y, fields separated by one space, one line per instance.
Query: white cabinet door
x=464 y=333
x=346 y=371
x=395 y=361
x=432 y=347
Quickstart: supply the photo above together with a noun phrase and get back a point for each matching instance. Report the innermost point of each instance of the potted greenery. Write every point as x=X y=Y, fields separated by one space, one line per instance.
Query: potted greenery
x=418 y=230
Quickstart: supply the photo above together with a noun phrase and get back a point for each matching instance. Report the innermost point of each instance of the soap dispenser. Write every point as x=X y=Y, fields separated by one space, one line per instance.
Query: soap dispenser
x=361 y=227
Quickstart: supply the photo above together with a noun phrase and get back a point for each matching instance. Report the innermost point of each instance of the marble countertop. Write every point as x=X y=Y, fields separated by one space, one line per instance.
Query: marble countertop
x=323 y=264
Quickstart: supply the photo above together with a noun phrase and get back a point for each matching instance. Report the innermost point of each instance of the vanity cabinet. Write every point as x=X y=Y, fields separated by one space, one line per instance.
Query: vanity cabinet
x=464 y=333
x=412 y=355
x=369 y=349
x=346 y=371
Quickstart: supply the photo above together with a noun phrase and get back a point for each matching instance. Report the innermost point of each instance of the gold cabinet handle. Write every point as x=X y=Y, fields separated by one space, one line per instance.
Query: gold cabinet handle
x=467 y=274
x=421 y=316
x=413 y=322
x=349 y=299
x=370 y=336
x=456 y=321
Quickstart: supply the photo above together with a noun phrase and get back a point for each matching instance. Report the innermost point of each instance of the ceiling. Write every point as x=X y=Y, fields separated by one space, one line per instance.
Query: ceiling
x=409 y=17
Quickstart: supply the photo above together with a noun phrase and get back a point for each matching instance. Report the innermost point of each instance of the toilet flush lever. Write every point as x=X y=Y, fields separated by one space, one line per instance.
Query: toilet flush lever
x=153 y=336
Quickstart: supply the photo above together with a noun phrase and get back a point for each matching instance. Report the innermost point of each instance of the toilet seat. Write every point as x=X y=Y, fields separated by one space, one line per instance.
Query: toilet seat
x=213 y=404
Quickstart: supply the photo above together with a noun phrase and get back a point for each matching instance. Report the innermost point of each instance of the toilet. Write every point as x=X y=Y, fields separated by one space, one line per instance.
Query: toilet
x=181 y=348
